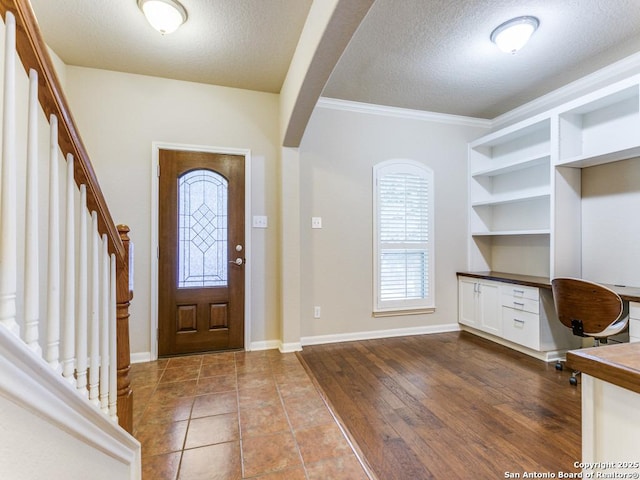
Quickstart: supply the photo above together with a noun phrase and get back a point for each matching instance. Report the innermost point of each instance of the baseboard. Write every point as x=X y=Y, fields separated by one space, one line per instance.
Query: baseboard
x=373 y=334
x=141 y=357
x=264 y=345
x=290 y=347
x=546 y=356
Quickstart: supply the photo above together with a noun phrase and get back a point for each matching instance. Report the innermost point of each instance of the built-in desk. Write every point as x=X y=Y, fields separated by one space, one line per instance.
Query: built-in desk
x=629 y=294
x=513 y=310
x=610 y=406
x=518 y=311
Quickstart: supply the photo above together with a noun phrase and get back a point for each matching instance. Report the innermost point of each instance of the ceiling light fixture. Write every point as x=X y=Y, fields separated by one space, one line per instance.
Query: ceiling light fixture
x=163 y=15
x=512 y=35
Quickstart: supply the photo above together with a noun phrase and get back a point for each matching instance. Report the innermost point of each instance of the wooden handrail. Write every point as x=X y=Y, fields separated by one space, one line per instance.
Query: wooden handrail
x=34 y=55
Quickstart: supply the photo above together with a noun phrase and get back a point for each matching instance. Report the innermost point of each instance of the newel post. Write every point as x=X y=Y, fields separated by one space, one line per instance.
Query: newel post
x=124 y=294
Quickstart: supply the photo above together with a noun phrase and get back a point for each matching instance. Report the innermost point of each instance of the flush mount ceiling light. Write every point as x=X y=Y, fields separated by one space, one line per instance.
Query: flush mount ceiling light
x=512 y=35
x=163 y=15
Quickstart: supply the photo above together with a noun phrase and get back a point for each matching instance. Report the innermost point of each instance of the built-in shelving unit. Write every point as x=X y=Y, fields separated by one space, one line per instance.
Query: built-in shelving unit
x=525 y=180
x=509 y=188
x=602 y=127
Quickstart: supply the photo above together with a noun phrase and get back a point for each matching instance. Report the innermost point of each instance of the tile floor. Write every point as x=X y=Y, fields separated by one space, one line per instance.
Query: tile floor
x=236 y=415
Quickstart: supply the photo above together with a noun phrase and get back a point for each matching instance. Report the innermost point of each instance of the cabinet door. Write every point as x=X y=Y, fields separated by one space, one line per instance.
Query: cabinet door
x=490 y=317
x=467 y=301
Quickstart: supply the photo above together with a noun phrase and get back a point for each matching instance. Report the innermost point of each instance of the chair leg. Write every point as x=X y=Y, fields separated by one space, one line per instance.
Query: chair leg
x=573 y=380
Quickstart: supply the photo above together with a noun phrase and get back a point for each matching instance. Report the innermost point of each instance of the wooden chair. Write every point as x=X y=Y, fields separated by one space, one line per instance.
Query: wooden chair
x=589 y=310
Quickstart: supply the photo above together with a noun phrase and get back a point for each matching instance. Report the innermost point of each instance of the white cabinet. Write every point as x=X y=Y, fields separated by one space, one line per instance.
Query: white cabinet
x=634 y=322
x=479 y=304
x=522 y=316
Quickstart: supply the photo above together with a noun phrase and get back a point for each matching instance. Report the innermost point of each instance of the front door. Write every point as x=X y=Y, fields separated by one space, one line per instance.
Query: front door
x=201 y=252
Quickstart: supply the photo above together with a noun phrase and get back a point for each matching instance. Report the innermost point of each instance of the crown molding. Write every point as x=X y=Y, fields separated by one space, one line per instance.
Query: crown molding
x=616 y=71
x=406 y=113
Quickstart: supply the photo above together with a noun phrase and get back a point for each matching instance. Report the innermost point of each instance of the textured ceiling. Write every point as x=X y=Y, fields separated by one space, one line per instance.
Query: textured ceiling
x=436 y=55
x=432 y=55
x=236 y=43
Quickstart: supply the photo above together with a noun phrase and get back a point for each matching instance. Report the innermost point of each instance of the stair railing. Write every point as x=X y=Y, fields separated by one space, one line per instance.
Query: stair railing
x=64 y=289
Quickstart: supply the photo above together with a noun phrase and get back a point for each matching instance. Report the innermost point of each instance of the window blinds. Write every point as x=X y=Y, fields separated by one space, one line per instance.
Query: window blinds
x=404 y=234
x=403 y=202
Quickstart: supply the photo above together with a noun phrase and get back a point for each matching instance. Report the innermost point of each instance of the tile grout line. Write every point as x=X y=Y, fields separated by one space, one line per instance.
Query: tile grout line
x=240 y=436
x=291 y=430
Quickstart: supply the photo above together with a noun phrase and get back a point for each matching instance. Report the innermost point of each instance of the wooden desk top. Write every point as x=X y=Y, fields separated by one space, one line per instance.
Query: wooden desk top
x=617 y=364
x=630 y=294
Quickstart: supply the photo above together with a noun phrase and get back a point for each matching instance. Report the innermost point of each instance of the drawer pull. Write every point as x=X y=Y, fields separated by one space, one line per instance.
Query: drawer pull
x=519 y=292
x=517 y=320
x=519 y=304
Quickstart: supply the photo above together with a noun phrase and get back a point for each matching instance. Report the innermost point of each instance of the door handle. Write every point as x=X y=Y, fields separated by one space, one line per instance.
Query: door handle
x=238 y=261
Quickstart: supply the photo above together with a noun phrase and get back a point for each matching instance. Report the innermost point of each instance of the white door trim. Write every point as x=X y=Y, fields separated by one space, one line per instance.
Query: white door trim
x=155 y=162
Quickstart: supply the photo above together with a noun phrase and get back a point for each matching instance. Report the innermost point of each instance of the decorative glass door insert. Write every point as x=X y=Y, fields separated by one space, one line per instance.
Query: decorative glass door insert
x=203 y=229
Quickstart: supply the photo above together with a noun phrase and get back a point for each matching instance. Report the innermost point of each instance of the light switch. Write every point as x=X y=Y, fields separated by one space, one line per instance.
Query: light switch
x=260 y=221
x=316 y=222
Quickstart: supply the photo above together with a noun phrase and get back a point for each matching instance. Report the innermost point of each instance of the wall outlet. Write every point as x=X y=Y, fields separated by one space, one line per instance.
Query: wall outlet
x=316 y=312
x=316 y=222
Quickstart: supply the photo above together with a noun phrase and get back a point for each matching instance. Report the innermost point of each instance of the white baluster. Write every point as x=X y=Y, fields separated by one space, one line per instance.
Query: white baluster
x=31 y=257
x=69 y=314
x=113 y=339
x=83 y=279
x=53 y=286
x=104 y=327
x=94 y=342
x=8 y=221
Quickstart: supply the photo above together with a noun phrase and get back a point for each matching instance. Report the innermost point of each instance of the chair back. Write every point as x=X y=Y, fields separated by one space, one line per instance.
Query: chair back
x=596 y=306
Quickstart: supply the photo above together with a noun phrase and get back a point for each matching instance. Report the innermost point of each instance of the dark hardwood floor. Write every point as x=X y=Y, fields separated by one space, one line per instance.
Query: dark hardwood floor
x=449 y=406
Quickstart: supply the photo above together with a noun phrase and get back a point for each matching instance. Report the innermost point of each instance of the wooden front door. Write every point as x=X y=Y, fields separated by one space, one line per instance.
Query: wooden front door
x=201 y=252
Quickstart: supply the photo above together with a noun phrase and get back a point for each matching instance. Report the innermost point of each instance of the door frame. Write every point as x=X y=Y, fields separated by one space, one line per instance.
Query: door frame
x=153 y=254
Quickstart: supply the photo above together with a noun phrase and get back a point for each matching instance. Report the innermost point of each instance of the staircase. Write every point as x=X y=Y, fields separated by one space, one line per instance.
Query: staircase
x=65 y=397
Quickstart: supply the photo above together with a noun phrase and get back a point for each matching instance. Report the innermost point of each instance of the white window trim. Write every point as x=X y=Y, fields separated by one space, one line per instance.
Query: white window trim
x=403 y=307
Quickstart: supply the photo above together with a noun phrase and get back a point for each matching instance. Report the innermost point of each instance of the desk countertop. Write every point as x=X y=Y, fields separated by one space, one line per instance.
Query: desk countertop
x=631 y=294
x=617 y=364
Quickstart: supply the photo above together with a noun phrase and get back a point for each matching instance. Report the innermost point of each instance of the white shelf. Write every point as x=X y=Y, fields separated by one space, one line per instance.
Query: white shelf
x=512 y=133
x=514 y=166
x=582 y=161
x=512 y=198
x=604 y=127
x=506 y=233
x=517 y=147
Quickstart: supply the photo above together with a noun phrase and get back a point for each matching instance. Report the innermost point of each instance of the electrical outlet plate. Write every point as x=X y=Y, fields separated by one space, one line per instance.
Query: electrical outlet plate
x=316 y=222
x=260 y=221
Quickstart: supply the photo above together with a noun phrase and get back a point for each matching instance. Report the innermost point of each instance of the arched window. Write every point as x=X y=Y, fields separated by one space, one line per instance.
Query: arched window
x=202 y=229
x=403 y=236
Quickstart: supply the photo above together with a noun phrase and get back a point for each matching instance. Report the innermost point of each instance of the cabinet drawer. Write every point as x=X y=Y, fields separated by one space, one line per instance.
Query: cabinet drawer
x=520 y=291
x=522 y=328
x=522 y=304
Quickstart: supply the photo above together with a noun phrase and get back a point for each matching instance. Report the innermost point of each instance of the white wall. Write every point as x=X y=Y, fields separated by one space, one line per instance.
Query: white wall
x=120 y=115
x=610 y=227
x=30 y=447
x=337 y=154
